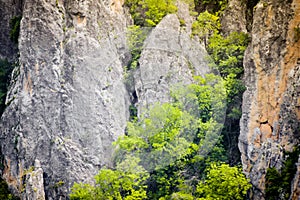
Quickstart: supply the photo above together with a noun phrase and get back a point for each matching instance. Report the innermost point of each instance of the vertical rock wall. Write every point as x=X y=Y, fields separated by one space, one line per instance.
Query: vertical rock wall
x=8 y=10
x=169 y=57
x=271 y=105
x=67 y=101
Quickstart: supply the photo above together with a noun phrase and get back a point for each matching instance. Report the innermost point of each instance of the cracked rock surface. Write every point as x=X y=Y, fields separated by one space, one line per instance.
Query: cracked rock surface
x=271 y=112
x=169 y=58
x=67 y=100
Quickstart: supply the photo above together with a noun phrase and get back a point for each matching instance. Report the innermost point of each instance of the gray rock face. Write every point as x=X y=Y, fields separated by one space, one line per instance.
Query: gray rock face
x=234 y=17
x=169 y=57
x=8 y=10
x=34 y=188
x=270 y=120
x=68 y=101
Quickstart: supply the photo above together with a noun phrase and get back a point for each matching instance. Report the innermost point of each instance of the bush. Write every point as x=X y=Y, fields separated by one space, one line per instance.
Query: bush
x=150 y=12
x=278 y=184
x=206 y=25
x=110 y=185
x=228 y=52
x=135 y=38
x=223 y=182
x=5 y=71
x=4 y=191
x=15 y=28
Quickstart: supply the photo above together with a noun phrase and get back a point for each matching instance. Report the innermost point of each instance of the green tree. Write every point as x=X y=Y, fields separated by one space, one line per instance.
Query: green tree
x=206 y=25
x=5 y=71
x=150 y=12
x=135 y=38
x=110 y=185
x=213 y=6
x=15 y=28
x=228 y=52
x=163 y=152
x=157 y=138
x=278 y=183
x=223 y=182
x=172 y=139
x=226 y=55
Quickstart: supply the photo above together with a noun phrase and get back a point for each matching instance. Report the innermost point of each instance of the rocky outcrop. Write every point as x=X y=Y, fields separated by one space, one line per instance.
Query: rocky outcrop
x=271 y=110
x=8 y=10
x=68 y=100
x=296 y=183
x=34 y=184
x=169 y=58
x=233 y=18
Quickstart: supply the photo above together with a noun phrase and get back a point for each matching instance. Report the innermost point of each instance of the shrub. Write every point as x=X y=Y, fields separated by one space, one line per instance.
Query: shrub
x=5 y=71
x=224 y=182
x=15 y=28
x=150 y=12
x=206 y=25
x=278 y=184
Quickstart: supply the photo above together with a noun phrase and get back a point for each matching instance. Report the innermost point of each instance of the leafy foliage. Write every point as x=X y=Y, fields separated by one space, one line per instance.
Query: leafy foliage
x=150 y=12
x=278 y=184
x=166 y=151
x=226 y=55
x=213 y=6
x=223 y=182
x=228 y=52
x=110 y=185
x=163 y=154
x=206 y=25
x=4 y=191
x=5 y=71
x=135 y=38
x=273 y=183
x=166 y=132
x=15 y=28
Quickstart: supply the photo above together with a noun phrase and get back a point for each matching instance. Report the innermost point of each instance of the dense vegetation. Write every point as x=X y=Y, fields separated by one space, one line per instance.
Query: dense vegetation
x=226 y=55
x=4 y=191
x=15 y=28
x=5 y=71
x=175 y=150
x=150 y=12
x=278 y=183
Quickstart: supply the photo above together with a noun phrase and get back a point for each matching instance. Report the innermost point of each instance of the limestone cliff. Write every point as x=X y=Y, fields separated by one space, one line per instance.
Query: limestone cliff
x=70 y=94
x=8 y=10
x=271 y=110
x=68 y=99
x=169 y=57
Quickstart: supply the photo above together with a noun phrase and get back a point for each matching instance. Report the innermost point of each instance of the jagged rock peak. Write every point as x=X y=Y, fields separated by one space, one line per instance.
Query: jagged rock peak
x=169 y=57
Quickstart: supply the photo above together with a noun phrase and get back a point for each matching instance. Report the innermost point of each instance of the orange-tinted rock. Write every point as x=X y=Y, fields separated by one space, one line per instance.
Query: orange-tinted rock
x=272 y=79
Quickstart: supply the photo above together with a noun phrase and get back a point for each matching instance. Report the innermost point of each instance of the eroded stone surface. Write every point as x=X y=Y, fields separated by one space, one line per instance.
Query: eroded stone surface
x=270 y=120
x=68 y=101
x=8 y=10
x=34 y=183
x=233 y=18
x=169 y=57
